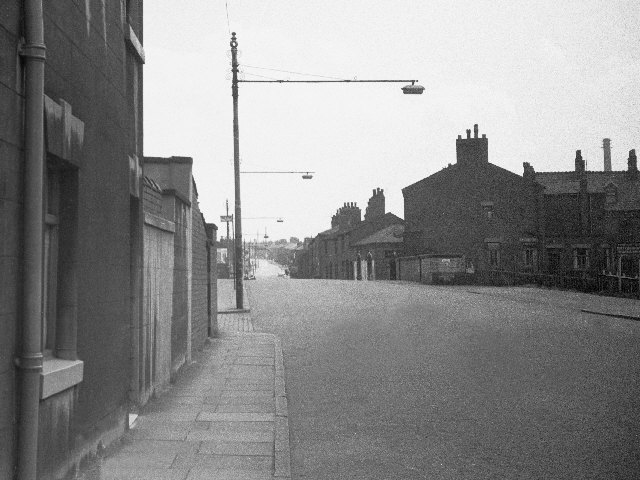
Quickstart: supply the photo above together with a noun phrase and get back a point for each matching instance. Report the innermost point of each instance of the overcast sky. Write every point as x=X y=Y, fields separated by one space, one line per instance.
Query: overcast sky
x=541 y=78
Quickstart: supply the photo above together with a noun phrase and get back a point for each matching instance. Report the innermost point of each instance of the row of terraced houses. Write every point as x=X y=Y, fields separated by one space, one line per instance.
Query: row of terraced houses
x=106 y=289
x=474 y=217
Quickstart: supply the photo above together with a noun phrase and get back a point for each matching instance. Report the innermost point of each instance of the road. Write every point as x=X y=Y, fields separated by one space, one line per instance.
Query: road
x=392 y=380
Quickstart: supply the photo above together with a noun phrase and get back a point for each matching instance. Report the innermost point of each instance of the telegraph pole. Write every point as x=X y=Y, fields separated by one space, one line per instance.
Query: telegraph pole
x=236 y=170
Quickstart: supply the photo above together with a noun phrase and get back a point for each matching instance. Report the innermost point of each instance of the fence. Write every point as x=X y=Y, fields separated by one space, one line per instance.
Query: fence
x=607 y=284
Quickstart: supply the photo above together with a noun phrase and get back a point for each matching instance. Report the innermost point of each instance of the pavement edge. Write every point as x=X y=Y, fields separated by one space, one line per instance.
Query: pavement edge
x=282 y=459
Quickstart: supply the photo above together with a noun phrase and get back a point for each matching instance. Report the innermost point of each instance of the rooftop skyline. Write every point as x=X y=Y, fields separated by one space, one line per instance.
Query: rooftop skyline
x=541 y=79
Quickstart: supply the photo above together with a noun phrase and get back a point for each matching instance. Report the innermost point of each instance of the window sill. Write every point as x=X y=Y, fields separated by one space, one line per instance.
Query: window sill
x=59 y=375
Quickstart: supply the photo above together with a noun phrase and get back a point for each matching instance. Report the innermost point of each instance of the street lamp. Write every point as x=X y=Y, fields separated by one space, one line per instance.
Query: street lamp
x=305 y=175
x=412 y=89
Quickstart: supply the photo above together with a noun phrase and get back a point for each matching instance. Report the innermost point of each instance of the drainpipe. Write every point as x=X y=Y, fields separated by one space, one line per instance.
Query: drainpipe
x=30 y=361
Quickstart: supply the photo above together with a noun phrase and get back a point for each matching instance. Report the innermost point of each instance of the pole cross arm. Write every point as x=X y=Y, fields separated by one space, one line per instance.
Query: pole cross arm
x=412 y=89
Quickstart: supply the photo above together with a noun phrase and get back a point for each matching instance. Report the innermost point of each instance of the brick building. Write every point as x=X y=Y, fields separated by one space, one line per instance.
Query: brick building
x=72 y=210
x=590 y=219
x=573 y=223
x=476 y=209
x=340 y=252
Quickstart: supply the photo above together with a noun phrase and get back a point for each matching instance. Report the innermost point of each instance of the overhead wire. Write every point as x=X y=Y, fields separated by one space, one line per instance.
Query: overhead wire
x=226 y=6
x=294 y=73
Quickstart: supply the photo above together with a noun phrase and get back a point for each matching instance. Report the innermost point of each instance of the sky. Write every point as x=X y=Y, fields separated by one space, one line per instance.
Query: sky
x=542 y=79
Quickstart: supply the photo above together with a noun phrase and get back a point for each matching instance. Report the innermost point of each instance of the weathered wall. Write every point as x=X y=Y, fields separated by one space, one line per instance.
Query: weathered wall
x=200 y=281
x=157 y=304
x=444 y=213
x=180 y=308
x=11 y=174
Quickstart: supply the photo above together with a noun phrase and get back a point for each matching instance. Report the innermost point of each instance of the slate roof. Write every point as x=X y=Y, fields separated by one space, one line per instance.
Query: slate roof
x=628 y=195
x=390 y=234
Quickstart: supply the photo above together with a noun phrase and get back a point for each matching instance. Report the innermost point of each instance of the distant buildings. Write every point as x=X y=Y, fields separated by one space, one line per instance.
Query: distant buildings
x=473 y=208
x=571 y=223
x=590 y=220
x=473 y=217
x=354 y=248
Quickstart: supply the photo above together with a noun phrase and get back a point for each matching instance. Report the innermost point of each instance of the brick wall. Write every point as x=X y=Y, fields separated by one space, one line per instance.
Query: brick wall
x=11 y=166
x=180 y=317
x=448 y=213
x=199 y=282
x=86 y=68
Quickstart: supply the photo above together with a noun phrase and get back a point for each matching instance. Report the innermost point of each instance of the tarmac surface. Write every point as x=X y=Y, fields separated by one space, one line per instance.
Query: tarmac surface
x=394 y=380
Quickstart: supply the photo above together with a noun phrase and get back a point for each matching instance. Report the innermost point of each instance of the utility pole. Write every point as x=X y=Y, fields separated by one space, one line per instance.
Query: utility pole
x=236 y=170
x=228 y=240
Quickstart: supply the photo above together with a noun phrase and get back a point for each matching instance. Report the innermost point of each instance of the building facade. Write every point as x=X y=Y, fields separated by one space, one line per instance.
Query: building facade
x=591 y=219
x=476 y=209
x=573 y=223
x=77 y=281
x=353 y=248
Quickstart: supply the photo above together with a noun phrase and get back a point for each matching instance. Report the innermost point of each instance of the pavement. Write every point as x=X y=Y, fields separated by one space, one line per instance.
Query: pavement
x=225 y=418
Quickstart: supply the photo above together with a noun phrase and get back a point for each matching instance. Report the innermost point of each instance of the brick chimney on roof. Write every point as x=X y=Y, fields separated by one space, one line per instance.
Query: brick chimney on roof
x=632 y=168
x=472 y=151
x=376 y=206
x=606 y=147
x=580 y=166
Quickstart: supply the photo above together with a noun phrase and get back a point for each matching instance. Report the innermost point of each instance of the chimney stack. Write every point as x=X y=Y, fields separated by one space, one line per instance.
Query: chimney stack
x=472 y=151
x=633 y=163
x=580 y=167
x=606 y=146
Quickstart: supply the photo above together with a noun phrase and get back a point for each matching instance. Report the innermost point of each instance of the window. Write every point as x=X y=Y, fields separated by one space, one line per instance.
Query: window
x=487 y=209
x=580 y=258
x=494 y=254
x=494 y=258
x=529 y=257
x=59 y=289
x=608 y=260
x=50 y=264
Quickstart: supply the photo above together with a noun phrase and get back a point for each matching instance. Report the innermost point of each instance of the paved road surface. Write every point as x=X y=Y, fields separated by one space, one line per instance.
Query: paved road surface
x=402 y=381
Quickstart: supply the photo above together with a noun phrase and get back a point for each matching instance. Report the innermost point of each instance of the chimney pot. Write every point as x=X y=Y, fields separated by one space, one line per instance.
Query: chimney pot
x=459 y=137
x=606 y=146
x=468 y=133
x=633 y=161
x=475 y=131
x=484 y=135
x=374 y=191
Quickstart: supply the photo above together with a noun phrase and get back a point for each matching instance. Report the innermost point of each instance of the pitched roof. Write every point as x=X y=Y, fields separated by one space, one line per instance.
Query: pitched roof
x=390 y=234
x=457 y=169
x=557 y=183
x=628 y=190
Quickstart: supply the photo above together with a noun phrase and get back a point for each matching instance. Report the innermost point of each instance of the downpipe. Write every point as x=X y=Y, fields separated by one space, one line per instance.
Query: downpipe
x=30 y=361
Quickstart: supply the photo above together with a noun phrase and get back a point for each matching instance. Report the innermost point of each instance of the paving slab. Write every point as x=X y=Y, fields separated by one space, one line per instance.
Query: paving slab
x=223 y=419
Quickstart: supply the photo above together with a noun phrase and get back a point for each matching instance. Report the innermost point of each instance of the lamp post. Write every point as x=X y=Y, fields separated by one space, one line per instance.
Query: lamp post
x=411 y=89
x=306 y=175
